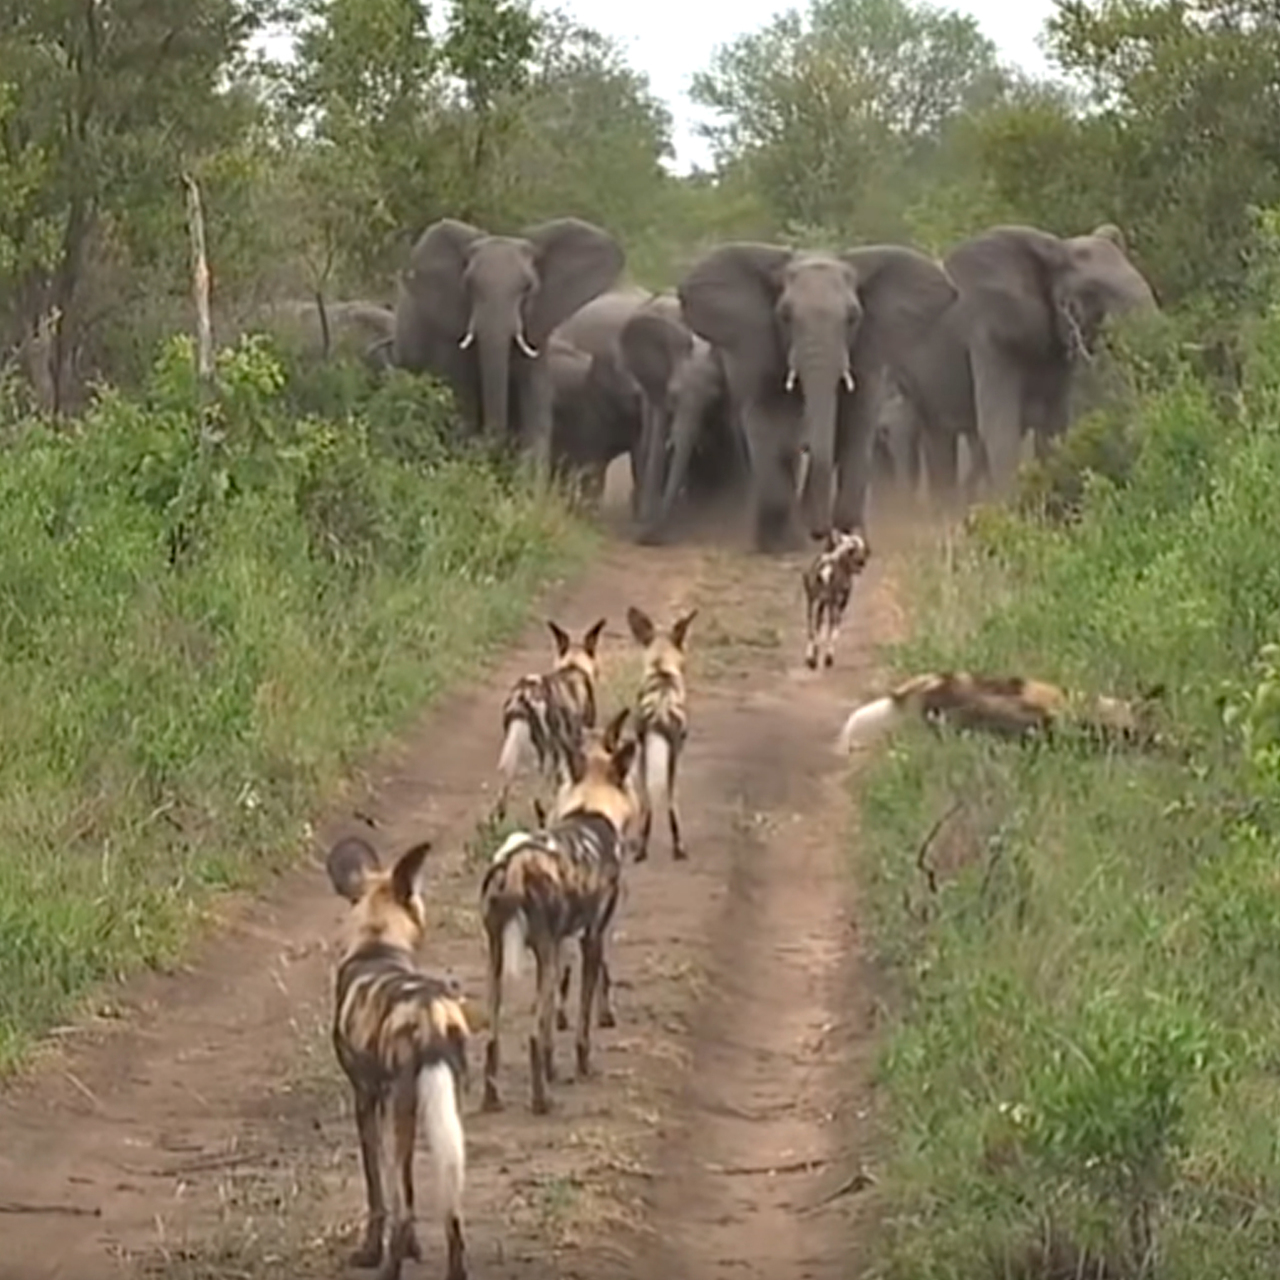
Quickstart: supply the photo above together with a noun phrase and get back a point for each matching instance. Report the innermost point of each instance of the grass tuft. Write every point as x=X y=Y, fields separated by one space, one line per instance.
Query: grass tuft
x=209 y=611
x=1080 y=1071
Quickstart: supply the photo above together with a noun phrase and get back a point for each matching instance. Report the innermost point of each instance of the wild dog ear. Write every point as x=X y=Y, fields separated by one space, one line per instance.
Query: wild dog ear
x=561 y=638
x=613 y=731
x=641 y=626
x=621 y=760
x=681 y=627
x=350 y=864
x=539 y=813
x=1152 y=692
x=829 y=539
x=404 y=875
x=592 y=637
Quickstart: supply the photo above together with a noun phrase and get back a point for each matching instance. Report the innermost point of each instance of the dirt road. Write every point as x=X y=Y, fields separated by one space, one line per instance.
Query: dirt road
x=207 y=1133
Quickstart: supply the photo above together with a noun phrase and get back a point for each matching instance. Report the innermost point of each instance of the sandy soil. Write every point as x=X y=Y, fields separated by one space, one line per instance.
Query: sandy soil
x=207 y=1133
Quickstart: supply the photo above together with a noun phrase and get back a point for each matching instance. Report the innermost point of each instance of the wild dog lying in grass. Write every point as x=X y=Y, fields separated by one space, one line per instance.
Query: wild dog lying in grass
x=401 y=1037
x=544 y=887
x=544 y=715
x=661 y=722
x=1007 y=706
x=828 y=583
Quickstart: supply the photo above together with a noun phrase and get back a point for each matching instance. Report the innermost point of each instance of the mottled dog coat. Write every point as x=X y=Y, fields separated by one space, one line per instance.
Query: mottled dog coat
x=545 y=887
x=828 y=583
x=544 y=715
x=661 y=722
x=1007 y=706
x=401 y=1036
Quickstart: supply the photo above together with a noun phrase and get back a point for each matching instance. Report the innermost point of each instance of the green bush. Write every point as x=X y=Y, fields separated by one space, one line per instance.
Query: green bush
x=1081 y=1078
x=208 y=610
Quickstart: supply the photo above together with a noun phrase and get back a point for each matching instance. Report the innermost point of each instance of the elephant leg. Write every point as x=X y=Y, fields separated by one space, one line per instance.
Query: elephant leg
x=684 y=430
x=773 y=460
x=853 y=458
x=941 y=464
x=998 y=400
x=536 y=416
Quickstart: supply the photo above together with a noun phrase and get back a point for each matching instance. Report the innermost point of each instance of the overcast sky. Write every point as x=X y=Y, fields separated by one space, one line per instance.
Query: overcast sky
x=671 y=39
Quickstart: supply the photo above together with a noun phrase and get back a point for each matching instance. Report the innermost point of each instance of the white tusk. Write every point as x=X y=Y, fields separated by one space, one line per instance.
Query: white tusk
x=523 y=343
x=467 y=339
x=847 y=378
x=791 y=379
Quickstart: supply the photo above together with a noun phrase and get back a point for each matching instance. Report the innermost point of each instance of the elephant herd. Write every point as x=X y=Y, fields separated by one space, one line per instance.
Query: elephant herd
x=784 y=374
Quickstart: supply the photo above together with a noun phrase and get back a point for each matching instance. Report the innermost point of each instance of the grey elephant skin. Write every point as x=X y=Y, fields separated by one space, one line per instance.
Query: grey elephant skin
x=805 y=339
x=326 y=330
x=478 y=310
x=595 y=417
x=597 y=404
x=1000 y=362
x=690 y=432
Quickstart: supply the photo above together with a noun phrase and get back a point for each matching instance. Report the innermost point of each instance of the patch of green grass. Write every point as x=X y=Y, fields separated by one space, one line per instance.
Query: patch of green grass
x=209 y=612
x=1080 y=1073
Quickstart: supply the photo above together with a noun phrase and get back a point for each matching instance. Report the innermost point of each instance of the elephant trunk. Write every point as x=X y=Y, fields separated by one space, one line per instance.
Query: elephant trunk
x=821 y=374
x=495 y=387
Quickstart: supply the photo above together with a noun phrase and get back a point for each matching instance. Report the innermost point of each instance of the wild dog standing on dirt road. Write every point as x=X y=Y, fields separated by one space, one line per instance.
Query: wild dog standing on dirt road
x=828 y=583
x=661 y=722
x=1008 y=706
x=544 y=715
x=401 y=1037
x=544 y=887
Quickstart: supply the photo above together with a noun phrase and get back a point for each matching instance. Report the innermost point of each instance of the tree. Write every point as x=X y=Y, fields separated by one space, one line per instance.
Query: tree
x=109 y=103
x=835 y=112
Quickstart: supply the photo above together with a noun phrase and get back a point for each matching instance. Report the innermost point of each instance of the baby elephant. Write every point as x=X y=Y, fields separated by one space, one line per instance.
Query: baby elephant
x=828 y=582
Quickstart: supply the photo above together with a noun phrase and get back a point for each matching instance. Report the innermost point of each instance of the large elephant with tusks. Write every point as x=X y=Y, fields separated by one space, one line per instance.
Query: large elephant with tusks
x=805 y=339
x=478 y=310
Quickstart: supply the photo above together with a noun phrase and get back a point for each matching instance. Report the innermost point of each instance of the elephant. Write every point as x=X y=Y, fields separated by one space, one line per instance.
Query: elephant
x=595 y=415
x=690 y=432
x=1000 y=362
x=806 y=338
x=322 y=330
x=478 y=310
x=596 y=329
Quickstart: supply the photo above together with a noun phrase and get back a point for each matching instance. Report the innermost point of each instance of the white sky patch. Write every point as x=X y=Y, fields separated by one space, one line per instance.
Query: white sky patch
x=670 y=40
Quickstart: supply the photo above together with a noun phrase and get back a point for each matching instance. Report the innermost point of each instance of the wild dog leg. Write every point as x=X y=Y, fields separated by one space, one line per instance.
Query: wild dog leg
x=606 y=1019
x=369 y=1252
x=404 y=1237
x=492 y=1101
x=812 y=610
x=562 y=1013
x=591 y=960
x=541 y=1049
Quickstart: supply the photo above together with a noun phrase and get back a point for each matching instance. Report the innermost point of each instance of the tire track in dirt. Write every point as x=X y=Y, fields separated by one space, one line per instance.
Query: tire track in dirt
x=209 y=1129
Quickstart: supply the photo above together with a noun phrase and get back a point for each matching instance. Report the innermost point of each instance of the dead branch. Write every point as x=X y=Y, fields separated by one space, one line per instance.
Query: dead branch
x=199 y=281
x=922 y=853
x=75 y=1210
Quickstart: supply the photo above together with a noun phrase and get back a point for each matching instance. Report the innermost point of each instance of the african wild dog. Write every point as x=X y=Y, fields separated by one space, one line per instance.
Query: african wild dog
x=1011 y=707
x=401 y=1037
x=544 y=887
x=662 y=722
x=828 y=582
x=544 y=715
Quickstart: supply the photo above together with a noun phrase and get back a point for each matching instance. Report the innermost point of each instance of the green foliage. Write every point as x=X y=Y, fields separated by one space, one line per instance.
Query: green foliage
x=206 y=612
x=832 y=112
x=1080 y=1077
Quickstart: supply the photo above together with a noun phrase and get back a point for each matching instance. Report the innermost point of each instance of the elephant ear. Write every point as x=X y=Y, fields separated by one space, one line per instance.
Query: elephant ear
x=903 y=293
x=577 y=261
x=434 y=277
x=652 y=346
x=729 y=297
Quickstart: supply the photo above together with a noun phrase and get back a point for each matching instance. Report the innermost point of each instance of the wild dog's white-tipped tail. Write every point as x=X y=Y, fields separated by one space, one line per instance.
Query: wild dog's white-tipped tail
x=517 y=746
x=513 y=945
x=657 y=769
x=438 y=1096
x=868 y=722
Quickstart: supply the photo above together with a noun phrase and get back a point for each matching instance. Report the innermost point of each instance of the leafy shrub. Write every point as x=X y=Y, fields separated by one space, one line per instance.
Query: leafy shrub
x=1081 y=1078
x=208 y=606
